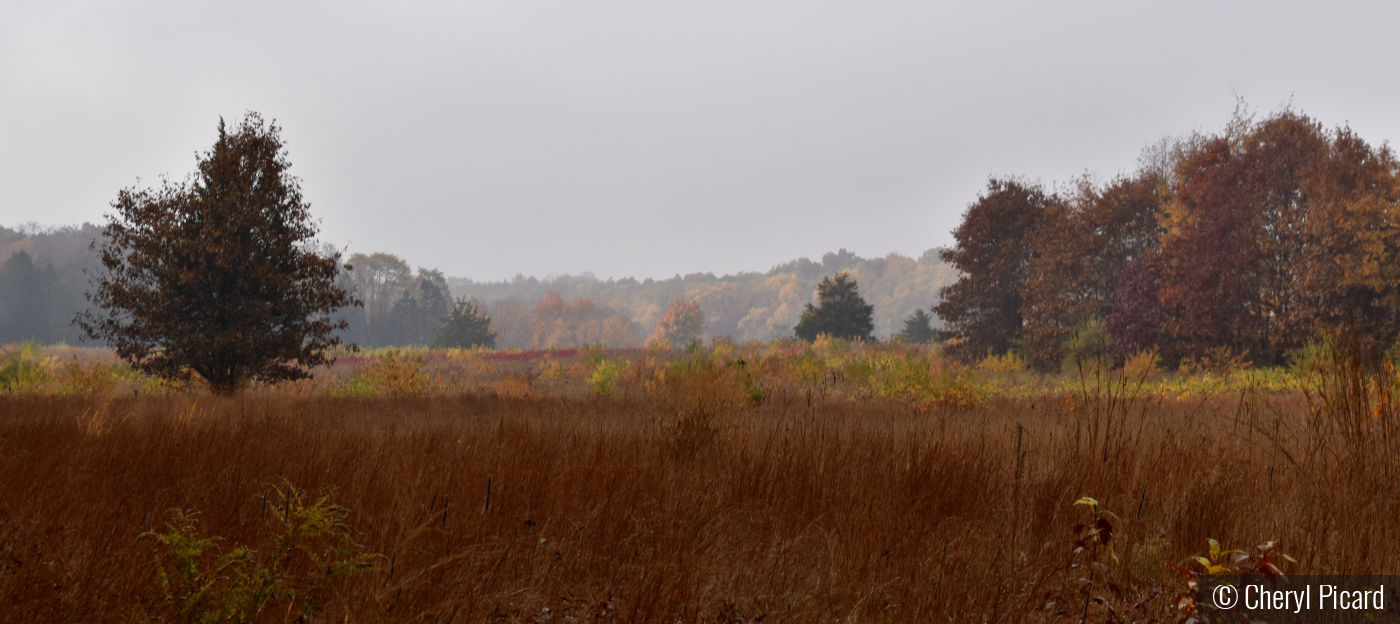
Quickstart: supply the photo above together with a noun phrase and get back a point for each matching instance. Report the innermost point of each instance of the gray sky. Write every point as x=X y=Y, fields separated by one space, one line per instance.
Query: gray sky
x=653 y=138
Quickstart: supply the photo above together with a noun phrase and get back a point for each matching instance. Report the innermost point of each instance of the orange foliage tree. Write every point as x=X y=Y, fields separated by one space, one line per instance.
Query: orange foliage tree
x=681 y=323
x=555 y=322
x=1279 y=230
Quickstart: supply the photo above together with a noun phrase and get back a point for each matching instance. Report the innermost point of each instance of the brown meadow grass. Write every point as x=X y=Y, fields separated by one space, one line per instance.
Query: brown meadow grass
x=798 y=509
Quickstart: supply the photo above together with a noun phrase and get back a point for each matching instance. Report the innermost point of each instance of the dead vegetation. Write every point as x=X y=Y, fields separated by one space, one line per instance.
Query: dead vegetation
x=699 y=506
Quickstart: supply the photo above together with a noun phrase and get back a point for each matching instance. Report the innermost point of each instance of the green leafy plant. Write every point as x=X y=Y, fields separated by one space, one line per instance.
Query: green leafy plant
x=1002 y=365
x=914 y=378
x=604 y=377
x=312 y=553
x=1089 y=342
x=22 y=368
x=93 y=377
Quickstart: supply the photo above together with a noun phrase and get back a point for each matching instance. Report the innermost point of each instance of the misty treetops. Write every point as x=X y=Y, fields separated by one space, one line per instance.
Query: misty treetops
x=229 y=258
x=404 y=305
x=42 y=281
x=568 y=311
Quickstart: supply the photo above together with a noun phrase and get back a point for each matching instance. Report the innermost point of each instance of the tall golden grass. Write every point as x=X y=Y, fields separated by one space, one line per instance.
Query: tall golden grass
x=793 y=508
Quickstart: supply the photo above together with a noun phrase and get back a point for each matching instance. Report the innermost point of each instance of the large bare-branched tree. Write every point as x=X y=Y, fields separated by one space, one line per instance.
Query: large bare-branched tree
x=219 y=274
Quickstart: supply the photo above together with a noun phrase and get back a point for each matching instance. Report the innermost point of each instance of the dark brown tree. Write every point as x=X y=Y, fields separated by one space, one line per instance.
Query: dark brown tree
x=219 y=275
x=982 y=311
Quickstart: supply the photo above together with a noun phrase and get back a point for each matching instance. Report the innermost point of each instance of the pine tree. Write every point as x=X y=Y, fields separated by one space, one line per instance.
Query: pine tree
x=466 y=326
x=840 y=313
x=918 y=328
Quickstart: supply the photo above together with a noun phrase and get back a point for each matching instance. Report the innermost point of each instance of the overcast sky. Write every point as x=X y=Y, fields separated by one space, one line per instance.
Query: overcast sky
x=653 y=138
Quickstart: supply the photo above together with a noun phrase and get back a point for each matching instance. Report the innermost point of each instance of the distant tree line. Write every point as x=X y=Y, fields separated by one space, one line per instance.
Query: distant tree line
x=1253 y=240
x=404 y=306
x=401 y=307
x=746 y=306
x=42 y=285
x=42 y=281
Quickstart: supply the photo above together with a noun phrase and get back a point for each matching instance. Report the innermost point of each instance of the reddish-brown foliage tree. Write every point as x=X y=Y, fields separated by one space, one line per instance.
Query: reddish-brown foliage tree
x=1258 y=239
x=217 y=275
x=1054 y=294
x=1219 y=281
x=1136 y=324
x=1271 y=230
x=982 y=311
x=1081 y=247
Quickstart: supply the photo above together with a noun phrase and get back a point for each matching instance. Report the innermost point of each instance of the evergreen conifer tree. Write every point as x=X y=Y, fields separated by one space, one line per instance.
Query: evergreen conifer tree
x=840 y=313
x=918 y=328
x=466 y=326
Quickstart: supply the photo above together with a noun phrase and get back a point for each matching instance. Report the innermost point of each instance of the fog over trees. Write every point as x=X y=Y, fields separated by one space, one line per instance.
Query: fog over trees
x=42 y=285
x=42 y=281
x=746 y=306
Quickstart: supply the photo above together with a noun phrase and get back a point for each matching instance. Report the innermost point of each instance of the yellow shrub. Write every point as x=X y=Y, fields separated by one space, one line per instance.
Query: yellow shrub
x=514 y=387
x=1140 y=366
x=391 y=374
x=1002 y=364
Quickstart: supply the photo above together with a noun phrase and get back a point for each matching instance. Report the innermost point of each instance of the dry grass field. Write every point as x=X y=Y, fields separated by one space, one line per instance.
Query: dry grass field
x=690 y=502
